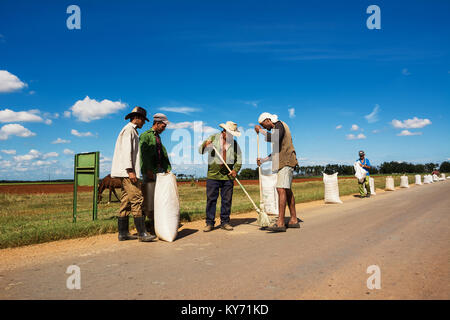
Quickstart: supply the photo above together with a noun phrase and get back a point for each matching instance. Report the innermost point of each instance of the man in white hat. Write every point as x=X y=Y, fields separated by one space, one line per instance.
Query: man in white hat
x=284 y=160
x=126 y=166
x=219 y=178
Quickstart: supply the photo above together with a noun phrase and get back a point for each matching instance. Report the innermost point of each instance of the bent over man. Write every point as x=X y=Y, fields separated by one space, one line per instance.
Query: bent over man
x=284 y=160
x=126 y=166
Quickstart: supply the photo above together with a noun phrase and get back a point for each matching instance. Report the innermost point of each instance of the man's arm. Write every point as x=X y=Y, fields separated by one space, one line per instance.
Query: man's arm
x=205 y=145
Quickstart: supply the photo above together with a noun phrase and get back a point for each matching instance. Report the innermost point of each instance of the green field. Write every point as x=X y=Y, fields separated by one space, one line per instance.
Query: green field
x=37 y=218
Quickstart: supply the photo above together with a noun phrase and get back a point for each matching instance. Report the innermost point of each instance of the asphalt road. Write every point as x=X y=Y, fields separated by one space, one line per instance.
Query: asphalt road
x=405 y=233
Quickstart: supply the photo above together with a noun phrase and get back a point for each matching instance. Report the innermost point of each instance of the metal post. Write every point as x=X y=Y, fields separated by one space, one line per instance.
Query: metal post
x=75 y=184
x=96 y=174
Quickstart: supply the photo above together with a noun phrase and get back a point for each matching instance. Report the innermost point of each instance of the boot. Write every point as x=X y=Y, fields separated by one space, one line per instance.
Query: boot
x=140 y=227
x=124 y=234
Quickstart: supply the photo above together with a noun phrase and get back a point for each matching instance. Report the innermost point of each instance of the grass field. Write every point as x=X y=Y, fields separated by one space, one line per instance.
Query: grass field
x=36 y=218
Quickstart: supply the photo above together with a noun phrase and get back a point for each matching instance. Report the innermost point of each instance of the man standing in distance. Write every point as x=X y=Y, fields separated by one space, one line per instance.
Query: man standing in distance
x=284 y=160
x=126 y=166
x=365 y=163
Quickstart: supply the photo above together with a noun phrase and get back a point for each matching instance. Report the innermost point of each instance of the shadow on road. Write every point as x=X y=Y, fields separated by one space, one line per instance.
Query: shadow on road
x=237 y=221
x=185 y=232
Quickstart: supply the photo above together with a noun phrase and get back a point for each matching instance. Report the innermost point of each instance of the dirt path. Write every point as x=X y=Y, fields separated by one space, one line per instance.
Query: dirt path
x=405 y=233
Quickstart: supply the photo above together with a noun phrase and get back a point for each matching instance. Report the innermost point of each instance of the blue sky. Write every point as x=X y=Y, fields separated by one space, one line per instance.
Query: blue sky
x=214 y=61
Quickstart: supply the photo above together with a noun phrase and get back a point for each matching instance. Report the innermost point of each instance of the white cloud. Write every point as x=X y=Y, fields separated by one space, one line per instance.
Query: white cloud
x=251 y=124
x=253 y=103
x=81 y=134
x=88 y=109
x=409 y=133
x=31 y=155
x=14 y=129
x=67 y=114
x=40 y=163
x=50 y=155
x=291 y=112
x=5 y=164
x=339 y=127
x=185 y=110
x=10 y=82
x=405 y=72
x=59 y=140
x=354 y=127
x=414 y=123
x=9 y=151
x=8 y=115
x=356 y=137
x=373 y=116
x=376 y=131
x=68 y=151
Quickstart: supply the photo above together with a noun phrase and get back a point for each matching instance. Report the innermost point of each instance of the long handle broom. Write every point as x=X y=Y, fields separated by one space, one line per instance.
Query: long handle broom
x=263 y=219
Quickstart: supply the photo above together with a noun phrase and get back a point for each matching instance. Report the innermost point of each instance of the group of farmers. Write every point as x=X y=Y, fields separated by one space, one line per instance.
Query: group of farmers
x=134 y=154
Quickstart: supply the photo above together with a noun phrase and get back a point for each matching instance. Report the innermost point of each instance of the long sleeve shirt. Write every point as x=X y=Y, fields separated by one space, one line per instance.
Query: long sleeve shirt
x=233 y=157
x=126 y=153
x=153 y=153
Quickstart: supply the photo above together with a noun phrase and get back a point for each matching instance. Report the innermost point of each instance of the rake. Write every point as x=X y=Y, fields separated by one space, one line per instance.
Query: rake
x=263 y=220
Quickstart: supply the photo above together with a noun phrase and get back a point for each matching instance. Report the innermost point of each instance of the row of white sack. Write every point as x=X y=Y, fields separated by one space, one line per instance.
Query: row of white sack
x=332 y=187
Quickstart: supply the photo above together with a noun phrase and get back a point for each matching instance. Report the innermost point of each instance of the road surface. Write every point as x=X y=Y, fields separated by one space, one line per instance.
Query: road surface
x=405 y=233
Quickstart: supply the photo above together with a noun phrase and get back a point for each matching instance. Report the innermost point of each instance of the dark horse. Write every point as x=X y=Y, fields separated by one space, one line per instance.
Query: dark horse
x=111 y=184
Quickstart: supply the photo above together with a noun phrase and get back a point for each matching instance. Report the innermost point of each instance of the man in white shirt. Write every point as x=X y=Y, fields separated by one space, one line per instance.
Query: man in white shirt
x=126 y=166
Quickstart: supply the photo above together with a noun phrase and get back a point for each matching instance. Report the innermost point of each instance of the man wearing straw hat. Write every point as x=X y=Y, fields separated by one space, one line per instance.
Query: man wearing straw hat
x=219 y=178
x=126 y=166
x=284 y=160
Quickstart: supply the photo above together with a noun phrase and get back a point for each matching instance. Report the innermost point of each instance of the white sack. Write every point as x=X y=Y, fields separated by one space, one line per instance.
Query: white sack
x=443 y=176
x=390 y=185
x=360 y=173
x=404 y=182
x=435 y=177
x=167 y=207
x=426 y=179
x=372 y=186
x=331 y=188
x=269 y=193
x=418 y=179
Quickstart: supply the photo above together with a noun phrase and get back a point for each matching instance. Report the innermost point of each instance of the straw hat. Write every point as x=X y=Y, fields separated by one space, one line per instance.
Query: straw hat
x=137 y=111
x=231 y=128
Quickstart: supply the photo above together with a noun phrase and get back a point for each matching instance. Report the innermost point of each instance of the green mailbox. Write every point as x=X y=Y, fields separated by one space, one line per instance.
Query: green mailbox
x=86 y=171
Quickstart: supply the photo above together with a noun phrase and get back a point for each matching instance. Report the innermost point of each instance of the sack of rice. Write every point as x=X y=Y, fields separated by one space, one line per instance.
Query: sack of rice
x=390 y=185
x=418 y=179
x=166 y=207
x=269 y=193
x=404 y=183
x=372 y=186
x=331 y=188
x=435 y=178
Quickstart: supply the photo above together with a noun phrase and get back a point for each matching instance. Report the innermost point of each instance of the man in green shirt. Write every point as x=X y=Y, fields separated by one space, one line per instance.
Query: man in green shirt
x=219 y=178
x=154 y=159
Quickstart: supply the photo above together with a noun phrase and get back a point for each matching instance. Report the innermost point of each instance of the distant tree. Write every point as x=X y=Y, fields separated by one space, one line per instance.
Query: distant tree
x=248 y=173
x=445 y=167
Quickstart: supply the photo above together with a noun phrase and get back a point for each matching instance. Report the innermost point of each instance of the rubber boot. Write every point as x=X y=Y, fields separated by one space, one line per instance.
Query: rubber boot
x=124 y=233
x=143 y=236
